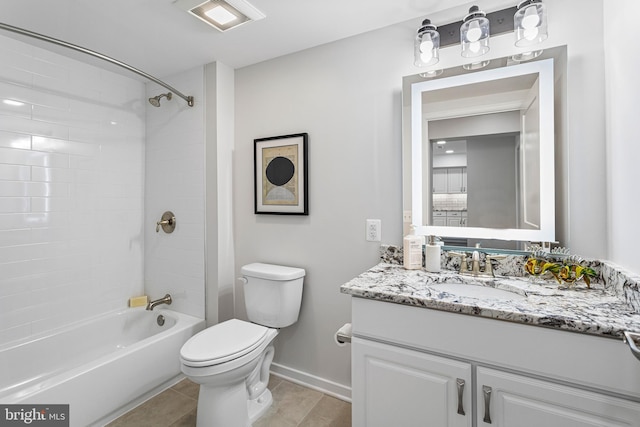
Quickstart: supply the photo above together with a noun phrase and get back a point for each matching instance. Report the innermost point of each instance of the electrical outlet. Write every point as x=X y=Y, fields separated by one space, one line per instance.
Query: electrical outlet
x=406 y=216
x=373 y=231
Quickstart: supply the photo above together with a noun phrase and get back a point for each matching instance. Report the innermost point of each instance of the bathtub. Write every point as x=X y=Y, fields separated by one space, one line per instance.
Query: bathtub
x=100 y=366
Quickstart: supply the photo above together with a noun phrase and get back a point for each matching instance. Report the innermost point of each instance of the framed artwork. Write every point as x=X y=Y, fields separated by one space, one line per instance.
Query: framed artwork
x=280 y=168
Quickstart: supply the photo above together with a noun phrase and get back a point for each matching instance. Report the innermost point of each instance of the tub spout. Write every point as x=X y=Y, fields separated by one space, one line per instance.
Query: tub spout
x=165 y=300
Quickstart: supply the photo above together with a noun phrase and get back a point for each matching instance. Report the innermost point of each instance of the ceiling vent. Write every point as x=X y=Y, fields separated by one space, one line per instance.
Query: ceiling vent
x=223 y=15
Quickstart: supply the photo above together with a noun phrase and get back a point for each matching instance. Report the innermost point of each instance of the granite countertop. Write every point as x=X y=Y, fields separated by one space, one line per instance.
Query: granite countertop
x=602 y=310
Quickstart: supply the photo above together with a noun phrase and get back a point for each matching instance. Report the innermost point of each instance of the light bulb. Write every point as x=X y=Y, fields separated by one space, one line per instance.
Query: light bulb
x=474 y=47
x=474 y=32
x=426 y=56
x=531 y=18
x=531 y=33
x=427 y=44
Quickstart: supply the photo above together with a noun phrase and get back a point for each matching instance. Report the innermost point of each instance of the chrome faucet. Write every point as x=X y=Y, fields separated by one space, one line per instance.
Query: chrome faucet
x=165 y=300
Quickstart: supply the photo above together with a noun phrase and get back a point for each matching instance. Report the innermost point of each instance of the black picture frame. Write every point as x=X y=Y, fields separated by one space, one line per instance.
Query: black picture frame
x=281 y=184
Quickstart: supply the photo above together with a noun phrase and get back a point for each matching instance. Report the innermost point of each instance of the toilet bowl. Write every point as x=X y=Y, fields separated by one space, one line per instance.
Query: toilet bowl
x=231 y=360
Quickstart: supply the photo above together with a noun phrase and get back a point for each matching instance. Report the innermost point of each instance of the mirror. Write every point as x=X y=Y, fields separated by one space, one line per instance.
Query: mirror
x=478 y=154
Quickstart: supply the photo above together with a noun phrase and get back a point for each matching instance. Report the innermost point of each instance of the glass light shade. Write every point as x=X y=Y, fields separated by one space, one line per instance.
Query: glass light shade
x=476 y=65
x=474 y=34
x=526 y=56
x=427 y=45
x=530 y=23
x=431 y=73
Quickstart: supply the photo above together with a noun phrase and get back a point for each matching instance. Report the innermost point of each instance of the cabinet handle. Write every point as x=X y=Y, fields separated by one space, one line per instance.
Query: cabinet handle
x=460 y=384
x=486 y=391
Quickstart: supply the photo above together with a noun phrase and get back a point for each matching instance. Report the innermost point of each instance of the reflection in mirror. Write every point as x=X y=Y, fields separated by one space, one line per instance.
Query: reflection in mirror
x=479 y=160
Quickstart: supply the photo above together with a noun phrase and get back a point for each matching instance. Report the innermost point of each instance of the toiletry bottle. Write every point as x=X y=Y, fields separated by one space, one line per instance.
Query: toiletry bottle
x=432 y=256
x=412 y=250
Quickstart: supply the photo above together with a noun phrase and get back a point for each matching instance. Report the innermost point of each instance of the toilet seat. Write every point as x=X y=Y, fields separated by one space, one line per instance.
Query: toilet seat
x=223 y=342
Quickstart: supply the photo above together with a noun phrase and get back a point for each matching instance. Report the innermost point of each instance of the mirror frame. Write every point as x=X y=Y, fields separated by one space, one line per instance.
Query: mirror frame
x=546 y=232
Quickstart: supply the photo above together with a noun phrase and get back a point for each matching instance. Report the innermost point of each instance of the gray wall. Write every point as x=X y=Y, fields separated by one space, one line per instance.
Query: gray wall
x=623 y=135
x=346 y=95
x=491 y=182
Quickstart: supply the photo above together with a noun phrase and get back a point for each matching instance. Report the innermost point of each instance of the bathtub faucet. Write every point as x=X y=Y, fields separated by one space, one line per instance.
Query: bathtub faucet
x=165 y=300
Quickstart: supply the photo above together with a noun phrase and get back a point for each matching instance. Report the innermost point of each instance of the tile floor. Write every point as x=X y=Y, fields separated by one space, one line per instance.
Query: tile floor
x=293 y=406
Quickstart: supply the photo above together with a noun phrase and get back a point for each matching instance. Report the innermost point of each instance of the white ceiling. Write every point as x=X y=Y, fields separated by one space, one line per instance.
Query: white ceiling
x=161 y=39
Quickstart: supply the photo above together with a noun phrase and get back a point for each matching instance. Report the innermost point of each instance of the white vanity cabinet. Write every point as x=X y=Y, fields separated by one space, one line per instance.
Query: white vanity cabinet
x=449 y=218
x=403 y=387
x=406 y=362
x=505 y=399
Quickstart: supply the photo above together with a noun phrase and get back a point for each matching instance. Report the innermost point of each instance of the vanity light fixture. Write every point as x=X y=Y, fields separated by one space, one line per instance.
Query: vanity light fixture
x=223 y=15
x=474 y=33
x=529 y=27
x=530 y=23
x=427 y=45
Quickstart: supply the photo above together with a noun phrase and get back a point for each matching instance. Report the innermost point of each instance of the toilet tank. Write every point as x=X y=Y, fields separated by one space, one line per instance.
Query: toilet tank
x=272 y=294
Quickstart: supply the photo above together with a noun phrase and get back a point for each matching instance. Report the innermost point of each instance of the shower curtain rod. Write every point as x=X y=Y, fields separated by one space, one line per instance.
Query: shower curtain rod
x=62 y=43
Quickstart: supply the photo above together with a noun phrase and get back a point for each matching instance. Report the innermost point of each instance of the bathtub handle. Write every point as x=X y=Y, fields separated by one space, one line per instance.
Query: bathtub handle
x=167 y=222
x=263 y=371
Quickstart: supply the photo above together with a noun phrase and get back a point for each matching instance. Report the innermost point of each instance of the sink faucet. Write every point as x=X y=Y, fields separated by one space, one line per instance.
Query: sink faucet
x=475 y=263
x=165 y=300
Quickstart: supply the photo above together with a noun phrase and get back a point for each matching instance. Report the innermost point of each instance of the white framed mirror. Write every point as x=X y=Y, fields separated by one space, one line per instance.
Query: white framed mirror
x=479 y=164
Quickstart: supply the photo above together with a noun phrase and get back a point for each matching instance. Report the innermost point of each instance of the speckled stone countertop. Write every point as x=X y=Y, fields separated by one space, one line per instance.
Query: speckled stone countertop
x=610 y=307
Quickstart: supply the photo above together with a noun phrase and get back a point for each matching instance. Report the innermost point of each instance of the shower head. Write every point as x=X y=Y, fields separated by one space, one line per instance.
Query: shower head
x=155 y=101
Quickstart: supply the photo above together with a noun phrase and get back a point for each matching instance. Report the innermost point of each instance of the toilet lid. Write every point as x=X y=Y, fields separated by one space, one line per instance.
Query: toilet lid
x=223 y=342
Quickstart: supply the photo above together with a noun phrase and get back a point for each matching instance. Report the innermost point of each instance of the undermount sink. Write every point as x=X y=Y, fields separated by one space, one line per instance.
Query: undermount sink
x=476 y=291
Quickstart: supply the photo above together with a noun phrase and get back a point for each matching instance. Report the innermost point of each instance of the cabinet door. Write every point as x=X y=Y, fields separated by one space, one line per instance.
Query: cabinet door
x=455 y=221
x=394 y=386
x=508 y=400
x=440 y=180
x=439 y=218
x=455 y=182
x=464 y=180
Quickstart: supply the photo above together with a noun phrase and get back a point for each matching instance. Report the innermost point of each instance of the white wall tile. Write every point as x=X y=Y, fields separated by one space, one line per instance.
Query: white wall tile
x=71 y=190
x=174 y=263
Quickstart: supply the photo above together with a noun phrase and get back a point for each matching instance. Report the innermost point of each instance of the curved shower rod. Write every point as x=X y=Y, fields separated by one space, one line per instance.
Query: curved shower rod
x=62 y=43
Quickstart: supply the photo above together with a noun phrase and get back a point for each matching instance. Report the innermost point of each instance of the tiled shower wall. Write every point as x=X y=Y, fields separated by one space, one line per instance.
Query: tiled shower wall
x=72 y=140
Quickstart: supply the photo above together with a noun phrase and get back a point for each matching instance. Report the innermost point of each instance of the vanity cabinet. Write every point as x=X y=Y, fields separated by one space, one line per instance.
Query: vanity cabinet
x=404 y=387
x=407 y=362
x=505 y=399
x=449 y=218
x=456 y=218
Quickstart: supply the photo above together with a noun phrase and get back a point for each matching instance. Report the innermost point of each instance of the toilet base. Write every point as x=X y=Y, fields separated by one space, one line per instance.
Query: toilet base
x=257 y=407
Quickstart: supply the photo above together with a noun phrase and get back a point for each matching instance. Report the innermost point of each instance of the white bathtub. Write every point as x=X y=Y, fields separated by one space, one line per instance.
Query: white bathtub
x=100 y=366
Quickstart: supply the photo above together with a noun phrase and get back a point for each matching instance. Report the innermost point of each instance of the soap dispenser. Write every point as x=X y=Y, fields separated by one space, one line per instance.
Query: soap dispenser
x=432 y=256
x=412 y=250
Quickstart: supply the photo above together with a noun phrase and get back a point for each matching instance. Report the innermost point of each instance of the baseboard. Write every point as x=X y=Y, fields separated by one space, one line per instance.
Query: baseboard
x=331 y=388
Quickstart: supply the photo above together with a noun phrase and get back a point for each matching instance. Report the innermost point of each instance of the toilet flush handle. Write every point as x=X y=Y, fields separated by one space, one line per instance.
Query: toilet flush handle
x=243 y=280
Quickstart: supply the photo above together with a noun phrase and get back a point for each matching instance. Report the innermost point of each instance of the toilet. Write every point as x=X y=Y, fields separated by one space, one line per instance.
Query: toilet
x=231 y=360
